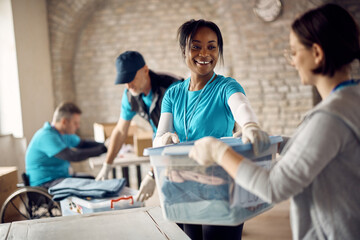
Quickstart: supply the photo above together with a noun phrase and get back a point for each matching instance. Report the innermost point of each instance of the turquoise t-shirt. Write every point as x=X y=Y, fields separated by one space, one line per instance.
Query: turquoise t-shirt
x=128 y=114
x=212 y=115
x=41 y=165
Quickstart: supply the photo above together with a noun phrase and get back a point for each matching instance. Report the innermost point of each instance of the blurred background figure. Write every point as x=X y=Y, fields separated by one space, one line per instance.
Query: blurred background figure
x=143 y=95
x=55 y=145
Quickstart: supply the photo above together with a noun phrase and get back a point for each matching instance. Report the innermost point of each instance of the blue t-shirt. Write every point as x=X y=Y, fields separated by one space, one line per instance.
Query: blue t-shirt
x=41 y=165
x=212 y=116
x=128 y=114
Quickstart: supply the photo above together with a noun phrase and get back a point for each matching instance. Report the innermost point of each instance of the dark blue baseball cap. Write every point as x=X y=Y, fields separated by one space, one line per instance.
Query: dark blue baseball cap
x=127 y=64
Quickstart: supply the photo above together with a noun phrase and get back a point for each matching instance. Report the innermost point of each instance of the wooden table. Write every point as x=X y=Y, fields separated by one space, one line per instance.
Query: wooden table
x=4 y=229
x=123 y=161
x=138 y=223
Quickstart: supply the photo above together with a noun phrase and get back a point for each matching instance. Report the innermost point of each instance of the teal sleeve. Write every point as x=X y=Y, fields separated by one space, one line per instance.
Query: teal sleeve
x=166 y=105
x=126 y=112
x=72 y=140
x=232 y=87
x=51 y=144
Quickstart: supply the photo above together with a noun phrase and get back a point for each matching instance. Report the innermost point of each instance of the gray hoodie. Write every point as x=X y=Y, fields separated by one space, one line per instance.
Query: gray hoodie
x=319 y=169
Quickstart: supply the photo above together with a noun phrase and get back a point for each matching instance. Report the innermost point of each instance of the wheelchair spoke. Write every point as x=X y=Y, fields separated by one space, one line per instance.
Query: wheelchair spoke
x=29 y=203
x=26 y=207
x=18 y=210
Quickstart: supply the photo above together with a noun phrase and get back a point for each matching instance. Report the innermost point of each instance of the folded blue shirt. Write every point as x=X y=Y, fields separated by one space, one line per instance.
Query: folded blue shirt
x=82 y=187
x=190 y=191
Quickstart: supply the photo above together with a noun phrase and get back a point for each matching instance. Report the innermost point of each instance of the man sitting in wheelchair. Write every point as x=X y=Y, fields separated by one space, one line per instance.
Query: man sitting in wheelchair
x=55 y=145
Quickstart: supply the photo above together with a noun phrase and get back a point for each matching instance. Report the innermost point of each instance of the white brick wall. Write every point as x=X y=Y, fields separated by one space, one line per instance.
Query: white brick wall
x=87 y=36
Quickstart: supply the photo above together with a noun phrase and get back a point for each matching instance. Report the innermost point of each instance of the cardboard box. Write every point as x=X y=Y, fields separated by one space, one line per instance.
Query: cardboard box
x=8 y=181
x=102 y=131
x=142 y=140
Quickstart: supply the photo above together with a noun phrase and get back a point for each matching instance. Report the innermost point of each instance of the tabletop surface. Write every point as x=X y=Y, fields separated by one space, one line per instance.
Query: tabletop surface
x=138 y=223
x=121 y=160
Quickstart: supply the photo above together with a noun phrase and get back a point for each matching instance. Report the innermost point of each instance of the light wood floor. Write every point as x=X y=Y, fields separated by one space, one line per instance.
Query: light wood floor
x=271 y=225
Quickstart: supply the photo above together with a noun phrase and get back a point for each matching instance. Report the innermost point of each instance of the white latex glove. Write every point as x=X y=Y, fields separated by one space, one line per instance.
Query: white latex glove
x=208 y=150
x=251 y=132
x=146 y=190
x=237 y=134
x=104 y=172
x=167 y=138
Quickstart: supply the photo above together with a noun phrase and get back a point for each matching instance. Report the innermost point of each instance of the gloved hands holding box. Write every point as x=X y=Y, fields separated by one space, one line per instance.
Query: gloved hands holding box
x=208 y=150
x=147 y=185
x=251 y=132
x=165 y=139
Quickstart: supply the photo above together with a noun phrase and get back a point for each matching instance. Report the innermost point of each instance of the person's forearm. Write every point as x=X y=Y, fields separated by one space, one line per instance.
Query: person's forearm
x=254 y=179
x=117 y=139
x=78 y=154
x=88 y=144
x=241 y=109
x=231 y=161
x=165 y=125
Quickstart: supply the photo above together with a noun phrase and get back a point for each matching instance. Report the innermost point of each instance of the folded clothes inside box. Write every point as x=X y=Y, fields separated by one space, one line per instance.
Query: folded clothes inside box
x=194 y=194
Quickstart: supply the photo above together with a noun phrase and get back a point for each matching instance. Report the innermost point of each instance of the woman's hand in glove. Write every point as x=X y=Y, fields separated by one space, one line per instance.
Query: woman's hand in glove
x=251 y=132
x=208 y=150
x=165 y=139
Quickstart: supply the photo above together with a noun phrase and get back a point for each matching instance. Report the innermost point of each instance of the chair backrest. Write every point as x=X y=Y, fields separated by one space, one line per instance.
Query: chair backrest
x=25 y=179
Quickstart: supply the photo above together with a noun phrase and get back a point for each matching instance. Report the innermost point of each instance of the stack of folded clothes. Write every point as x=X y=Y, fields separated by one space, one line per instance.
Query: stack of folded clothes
x=207 y=196
x=85 y=188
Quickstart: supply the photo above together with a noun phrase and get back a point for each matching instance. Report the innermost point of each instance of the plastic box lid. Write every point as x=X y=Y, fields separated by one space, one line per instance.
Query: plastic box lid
x=184 y=147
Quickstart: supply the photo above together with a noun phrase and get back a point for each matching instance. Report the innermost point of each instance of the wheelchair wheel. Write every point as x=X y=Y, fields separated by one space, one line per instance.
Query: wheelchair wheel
x=29 y=203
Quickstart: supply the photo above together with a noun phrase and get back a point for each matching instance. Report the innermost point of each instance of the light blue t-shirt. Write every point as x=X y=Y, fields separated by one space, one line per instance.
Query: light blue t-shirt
x=41 y=165
x=212 y=116
x=128 y=114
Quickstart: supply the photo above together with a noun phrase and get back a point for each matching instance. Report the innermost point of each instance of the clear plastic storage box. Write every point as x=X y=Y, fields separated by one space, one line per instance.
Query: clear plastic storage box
x=76 y=206
x=194 y=194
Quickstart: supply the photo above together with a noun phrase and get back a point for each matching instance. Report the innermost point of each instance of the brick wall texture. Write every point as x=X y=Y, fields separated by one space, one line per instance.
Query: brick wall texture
x=87 y=35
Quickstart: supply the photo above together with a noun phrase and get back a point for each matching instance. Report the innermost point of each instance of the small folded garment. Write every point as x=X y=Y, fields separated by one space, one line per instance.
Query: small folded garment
x=182 y=176
x=81 y=187
x=190 y=191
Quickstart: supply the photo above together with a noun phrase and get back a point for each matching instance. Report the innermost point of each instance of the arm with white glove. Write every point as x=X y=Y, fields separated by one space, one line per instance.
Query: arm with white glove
x=165 y=133
x=104 y=172
x=251 y=132
x=209 y=150
x=147 y=187
x=117 y=139
x=164 y=136
x=246 y=118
